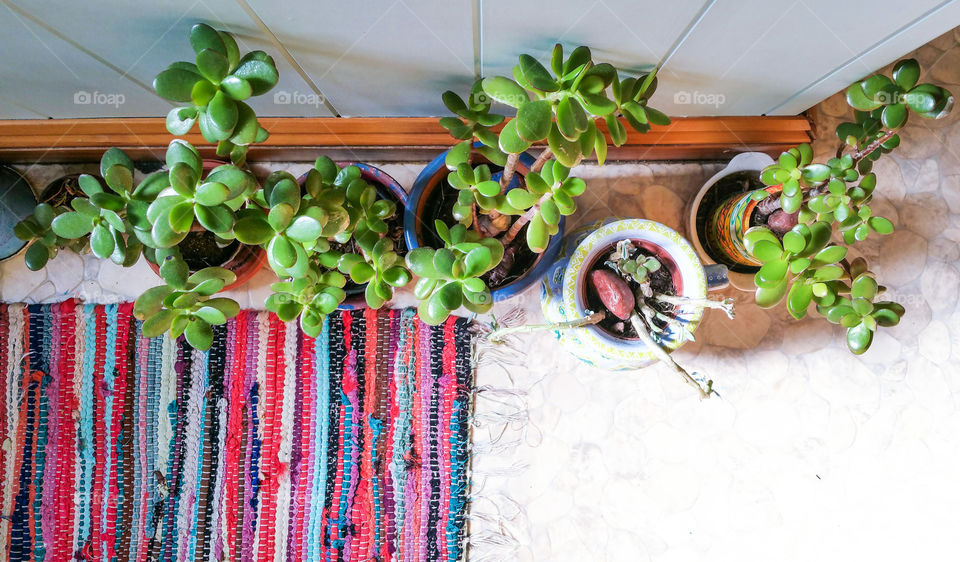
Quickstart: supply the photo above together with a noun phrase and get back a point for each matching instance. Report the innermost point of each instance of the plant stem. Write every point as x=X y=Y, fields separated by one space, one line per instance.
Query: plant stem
x=476 y=221
x=496 y=336
x=873 y=146
x=523 y=219
x=726 y=305
x=541 y=160
x=662 y=355
x=507 y=176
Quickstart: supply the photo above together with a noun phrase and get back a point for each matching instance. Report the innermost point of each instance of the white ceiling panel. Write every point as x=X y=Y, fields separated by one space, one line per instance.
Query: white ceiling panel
x=43 y=72
x=746 y=57
x=631 y=35
x=395 y=57
x=378 y=57
x=142 y=40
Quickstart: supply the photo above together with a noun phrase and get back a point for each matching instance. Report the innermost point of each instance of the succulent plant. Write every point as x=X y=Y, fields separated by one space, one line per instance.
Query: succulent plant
x=803 y=265
x=450 y=276
x=314 y=235
x=215 y=85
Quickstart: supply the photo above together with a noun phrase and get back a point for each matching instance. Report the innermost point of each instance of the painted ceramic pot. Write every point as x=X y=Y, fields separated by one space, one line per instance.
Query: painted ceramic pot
x=720 y=214
x=387 y=188
x=245 y=262
x=417 y=219
x=564 y=289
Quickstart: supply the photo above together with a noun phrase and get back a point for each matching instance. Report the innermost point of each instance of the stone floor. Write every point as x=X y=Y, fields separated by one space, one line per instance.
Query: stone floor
x=808 y=453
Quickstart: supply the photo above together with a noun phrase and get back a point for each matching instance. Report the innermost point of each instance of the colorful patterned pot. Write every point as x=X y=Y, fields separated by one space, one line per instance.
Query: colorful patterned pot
x=716 y=221
x=727 y=224
x=414 y=222
x=564 y=289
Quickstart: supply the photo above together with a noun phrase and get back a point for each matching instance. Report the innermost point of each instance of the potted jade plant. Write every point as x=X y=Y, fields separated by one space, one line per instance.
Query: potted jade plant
x=784 y=225
x=509 y=202
x=314 y=236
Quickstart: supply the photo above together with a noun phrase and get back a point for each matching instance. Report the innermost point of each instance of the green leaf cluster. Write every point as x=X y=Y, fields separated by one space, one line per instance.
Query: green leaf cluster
x=184 y=306
x=450 y=276
x=562 y=104
x=215 y=86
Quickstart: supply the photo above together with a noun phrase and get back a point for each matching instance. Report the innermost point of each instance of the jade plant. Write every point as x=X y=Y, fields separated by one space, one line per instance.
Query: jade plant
x=450 y=276
x=316 y=236
x=803 y=264
x=560 y=107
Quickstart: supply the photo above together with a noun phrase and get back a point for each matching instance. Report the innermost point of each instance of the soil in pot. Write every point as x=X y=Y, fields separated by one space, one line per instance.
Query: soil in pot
x=62 y=190
x=438 y=204
x=203 y=249
x=661 y=281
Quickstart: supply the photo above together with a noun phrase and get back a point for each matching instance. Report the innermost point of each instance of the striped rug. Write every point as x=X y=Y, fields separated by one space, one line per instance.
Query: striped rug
x=270 y=446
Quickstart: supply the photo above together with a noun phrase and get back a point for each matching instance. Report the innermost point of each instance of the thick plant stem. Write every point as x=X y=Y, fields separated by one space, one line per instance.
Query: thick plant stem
x=508 y=172
x=541 y=160
x=522 y=220
x=497 y=336
x=662 y=355
x=476 y=221
x=873 y=146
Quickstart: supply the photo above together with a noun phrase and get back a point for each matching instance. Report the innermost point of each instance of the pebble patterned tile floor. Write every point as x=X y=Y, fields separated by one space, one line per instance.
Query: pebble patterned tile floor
x=809 y=453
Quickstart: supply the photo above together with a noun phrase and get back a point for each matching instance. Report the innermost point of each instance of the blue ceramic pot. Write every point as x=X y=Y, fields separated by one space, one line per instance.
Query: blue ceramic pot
x=414 y=222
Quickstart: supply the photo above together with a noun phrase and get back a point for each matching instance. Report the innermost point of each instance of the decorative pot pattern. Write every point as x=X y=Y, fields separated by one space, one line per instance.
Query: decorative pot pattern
x=717 y=234
x=728 y=223
x=564 y=289
x=429 y=179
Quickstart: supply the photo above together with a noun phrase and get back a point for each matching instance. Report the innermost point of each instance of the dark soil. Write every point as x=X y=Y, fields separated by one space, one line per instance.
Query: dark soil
x=660 y=281
x=203 y=249
x=439 y=205
x=62 y=190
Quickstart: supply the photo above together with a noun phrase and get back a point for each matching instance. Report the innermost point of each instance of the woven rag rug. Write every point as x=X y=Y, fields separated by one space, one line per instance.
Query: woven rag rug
x=270 y=446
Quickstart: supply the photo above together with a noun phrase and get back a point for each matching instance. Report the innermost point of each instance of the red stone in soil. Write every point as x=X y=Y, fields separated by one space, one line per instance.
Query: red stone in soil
x=781 y=222
x=614 y=293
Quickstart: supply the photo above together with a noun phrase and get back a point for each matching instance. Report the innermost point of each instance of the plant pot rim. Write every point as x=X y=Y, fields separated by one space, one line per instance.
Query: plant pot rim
x=743 y=162
x=424 y=185
x=573 y=290
x=21 y=180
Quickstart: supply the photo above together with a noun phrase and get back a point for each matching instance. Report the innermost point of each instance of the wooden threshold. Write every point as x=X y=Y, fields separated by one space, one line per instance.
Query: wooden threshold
x=387 y=139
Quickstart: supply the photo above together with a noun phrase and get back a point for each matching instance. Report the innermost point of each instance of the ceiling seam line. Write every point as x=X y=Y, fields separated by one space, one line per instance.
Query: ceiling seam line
x=868 y=50
x=25 y=107
x=287 y=55
x=477 y=39
x=56 y=33
x=685 y=34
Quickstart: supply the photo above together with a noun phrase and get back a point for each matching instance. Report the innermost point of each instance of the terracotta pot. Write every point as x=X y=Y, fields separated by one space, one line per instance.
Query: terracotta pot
x=245 y=262
x=415 y=223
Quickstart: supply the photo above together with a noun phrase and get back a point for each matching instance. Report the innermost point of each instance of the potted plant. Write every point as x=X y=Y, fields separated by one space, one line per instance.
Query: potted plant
x=489 y=184
x=313 y=237
x=785 y=227
x=626 y=293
